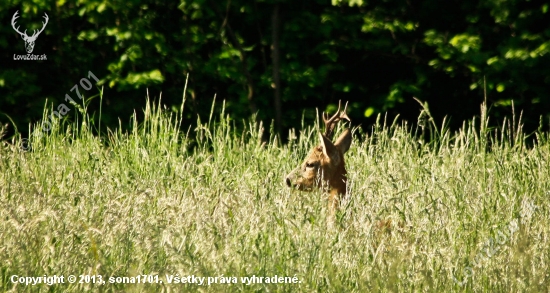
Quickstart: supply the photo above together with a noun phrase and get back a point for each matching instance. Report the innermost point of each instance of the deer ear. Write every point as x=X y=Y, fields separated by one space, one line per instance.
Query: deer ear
x=329 y=149
x=344 y=141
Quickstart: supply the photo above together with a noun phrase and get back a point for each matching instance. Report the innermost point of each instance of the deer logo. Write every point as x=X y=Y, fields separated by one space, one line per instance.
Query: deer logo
x=324 y=167
x=29 y=41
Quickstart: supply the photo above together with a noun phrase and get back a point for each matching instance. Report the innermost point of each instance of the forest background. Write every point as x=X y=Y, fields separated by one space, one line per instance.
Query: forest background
x=280 y=59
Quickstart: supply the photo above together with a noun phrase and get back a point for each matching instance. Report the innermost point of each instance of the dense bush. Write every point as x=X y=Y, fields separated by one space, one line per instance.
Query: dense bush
x=376 y=54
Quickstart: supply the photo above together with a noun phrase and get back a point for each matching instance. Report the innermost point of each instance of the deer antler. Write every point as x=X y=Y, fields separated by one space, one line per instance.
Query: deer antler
x=35 y=34
x=15 y=16
x=43 y=24
x=330 y=124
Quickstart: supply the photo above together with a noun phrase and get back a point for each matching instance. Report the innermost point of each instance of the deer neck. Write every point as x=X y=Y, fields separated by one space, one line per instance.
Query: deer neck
x=338 y=180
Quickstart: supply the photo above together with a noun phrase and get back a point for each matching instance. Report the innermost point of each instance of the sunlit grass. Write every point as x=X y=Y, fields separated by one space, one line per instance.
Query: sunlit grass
x=210 y=202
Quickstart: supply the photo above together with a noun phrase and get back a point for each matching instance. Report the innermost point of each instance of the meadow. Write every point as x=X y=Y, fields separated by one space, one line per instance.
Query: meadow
x=428 y=210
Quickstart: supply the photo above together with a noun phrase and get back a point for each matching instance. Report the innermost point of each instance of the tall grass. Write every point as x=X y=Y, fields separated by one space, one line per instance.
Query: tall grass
x=210 y=201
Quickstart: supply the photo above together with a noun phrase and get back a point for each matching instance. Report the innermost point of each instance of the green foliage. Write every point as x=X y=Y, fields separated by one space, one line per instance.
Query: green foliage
x=501 y=42
x=377 y=55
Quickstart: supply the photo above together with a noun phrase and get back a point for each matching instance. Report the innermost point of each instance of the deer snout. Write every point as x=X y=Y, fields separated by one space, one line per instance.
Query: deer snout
x=290 y=179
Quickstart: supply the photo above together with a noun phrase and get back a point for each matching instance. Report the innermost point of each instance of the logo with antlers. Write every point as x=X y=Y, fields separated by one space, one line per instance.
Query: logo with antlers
x=29 y=41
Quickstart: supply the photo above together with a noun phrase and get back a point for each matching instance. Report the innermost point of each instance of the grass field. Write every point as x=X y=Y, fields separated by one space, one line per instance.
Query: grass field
x=468 y=210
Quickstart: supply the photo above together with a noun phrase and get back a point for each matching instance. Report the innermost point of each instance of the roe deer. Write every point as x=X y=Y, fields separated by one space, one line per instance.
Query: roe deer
x=324 y=167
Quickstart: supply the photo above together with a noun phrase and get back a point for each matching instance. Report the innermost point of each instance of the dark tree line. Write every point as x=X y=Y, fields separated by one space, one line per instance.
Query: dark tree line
x=281 y=58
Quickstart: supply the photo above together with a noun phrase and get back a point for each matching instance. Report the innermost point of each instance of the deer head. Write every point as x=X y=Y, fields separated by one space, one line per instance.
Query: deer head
x=324 y=167
x=29 y=41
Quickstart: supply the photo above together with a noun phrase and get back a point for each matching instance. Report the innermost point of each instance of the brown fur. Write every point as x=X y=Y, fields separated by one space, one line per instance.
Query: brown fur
x=326 y=159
